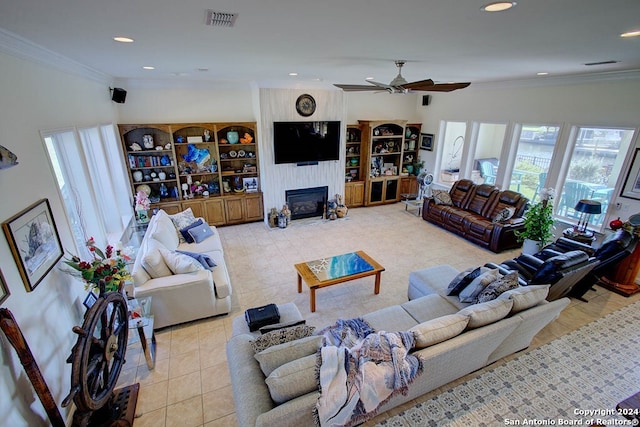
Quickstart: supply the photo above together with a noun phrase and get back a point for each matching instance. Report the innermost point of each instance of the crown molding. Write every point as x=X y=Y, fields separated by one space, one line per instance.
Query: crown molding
x=13 y=44
x=564 y=80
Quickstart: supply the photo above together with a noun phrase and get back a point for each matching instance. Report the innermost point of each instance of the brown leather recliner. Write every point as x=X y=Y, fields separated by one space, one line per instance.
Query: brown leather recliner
x=472 y=212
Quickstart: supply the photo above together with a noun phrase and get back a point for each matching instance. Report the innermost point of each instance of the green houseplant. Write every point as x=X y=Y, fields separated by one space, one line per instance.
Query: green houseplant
x=538 y=223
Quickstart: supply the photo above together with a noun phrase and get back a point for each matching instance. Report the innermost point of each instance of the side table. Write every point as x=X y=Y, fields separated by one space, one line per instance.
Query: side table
x=141 y=328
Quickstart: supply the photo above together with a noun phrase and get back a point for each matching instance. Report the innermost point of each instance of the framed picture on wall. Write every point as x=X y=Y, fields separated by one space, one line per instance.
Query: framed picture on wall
x=426 y=141
x=631 y=187
x=34 y=242
x=4 y=291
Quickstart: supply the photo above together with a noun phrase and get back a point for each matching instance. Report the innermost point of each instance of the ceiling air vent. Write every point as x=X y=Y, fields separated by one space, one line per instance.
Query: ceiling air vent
x=220 y=19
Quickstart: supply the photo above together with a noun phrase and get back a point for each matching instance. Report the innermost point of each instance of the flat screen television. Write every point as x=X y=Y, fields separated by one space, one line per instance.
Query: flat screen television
x=306 y=142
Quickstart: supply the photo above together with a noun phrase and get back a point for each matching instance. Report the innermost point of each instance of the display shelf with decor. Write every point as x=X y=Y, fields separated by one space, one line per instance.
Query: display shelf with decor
x=410 y=149
x=211 y=168
x=151 y=161
x=384 y=141
x=238 y=156
x=197 y=159
x=355 y=167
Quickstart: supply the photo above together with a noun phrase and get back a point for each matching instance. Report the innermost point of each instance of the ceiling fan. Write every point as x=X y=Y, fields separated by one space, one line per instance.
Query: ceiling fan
x=400 y=85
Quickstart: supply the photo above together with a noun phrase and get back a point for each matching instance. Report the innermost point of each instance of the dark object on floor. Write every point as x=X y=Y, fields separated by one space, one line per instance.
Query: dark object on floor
x=475 y=214
x=261 y=316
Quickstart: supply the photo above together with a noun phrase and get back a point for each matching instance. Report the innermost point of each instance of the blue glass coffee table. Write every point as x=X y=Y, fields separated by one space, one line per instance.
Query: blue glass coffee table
x=337 y=269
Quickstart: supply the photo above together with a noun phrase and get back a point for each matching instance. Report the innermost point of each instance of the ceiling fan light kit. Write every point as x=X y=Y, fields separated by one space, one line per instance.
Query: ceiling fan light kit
x=399 y=85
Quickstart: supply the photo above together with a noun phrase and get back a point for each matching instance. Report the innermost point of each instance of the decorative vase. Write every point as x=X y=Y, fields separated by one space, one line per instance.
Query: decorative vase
x=531 y=247
x=137 y=176
x=232 y=137
x=162 y=176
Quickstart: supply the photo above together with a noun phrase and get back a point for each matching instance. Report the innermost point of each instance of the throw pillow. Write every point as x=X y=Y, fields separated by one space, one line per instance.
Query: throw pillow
x=203 y=259
x=525 y=297
x=181 y=220
x=293 y=379
x=180 y=263
x=153 y=262
x=276 y=326
x=487 y=312
x=281 y=336
x=463 y=279
x=185 y=231
x=471 y=292
x=441 y=197
x=439 y=329
x=505 y=214
x=495 y=289
x=201 y=232
x=277 y=355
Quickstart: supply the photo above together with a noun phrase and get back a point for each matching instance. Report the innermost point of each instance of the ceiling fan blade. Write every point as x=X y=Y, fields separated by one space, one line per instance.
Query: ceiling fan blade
x=440 y=87
x=419 y=84
x=354 y=88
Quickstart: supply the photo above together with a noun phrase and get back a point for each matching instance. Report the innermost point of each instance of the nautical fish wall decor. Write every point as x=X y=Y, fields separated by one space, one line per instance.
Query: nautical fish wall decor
x=7 y=158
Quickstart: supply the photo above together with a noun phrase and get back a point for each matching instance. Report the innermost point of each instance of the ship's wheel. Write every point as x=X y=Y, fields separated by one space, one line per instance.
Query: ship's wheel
x=97 y=359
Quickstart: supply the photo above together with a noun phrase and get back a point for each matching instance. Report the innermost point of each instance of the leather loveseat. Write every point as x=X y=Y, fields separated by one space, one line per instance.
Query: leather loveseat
x=472 y=212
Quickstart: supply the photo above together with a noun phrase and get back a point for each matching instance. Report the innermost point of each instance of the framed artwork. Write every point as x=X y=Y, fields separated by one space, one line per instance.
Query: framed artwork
x=34 y=242
x=631 y=187
x=250 y=184
x=4 y=291
x=426 y=141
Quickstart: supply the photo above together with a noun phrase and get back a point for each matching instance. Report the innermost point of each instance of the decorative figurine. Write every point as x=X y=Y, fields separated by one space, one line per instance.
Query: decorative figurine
x=273 y=218
x=147 y=141
x=287 y=213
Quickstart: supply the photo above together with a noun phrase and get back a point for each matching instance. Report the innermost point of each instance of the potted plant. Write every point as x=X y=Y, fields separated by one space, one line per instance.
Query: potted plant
x=538 y=224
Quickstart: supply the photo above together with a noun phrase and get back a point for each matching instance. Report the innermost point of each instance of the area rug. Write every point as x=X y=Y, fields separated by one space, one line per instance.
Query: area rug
x=576 y=379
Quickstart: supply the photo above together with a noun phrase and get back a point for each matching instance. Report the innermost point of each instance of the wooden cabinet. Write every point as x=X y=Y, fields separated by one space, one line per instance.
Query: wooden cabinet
x=384 y=142
x=383 y=190
x=240 y=209
x=409 y=185
x=196 y=165
x=354 y=194
x=354 y=164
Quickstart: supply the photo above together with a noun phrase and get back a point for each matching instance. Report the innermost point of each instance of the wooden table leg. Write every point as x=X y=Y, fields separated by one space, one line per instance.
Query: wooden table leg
x=312 y=299
x=376 y=289
x=299 y=283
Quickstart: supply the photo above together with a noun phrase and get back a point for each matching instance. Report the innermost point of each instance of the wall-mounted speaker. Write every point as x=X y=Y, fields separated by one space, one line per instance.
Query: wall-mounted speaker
x=118 y=95
x=426 y=99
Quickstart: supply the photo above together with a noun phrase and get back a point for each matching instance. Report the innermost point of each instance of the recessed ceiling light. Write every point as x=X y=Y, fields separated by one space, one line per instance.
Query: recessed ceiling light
x=203 y=69
x=542 y=73
x=369 y=78
x=630 y=34
x=293 y=74
x=122 y=39
x=148 y=67
x=498 y=6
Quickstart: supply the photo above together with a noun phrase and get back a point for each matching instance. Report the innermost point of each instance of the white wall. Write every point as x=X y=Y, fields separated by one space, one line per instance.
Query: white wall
x=36 y=98
x=605 y=103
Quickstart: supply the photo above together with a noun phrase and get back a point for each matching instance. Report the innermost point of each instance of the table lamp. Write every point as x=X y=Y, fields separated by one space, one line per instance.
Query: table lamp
x=587 y=208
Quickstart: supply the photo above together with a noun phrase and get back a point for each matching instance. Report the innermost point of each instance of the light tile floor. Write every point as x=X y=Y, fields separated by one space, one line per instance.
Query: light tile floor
x=190 y=385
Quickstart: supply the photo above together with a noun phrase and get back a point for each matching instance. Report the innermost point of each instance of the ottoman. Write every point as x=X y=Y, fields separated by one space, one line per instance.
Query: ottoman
x=288 y=313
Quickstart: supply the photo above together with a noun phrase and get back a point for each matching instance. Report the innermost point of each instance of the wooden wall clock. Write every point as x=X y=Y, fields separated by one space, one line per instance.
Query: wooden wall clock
x=305 y=105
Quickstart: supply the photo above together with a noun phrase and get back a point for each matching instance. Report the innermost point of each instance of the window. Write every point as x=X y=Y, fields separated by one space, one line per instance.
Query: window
x=89 y=183
x=452 y=151
x=489 y=141
x=533 y=158
x=595 y=165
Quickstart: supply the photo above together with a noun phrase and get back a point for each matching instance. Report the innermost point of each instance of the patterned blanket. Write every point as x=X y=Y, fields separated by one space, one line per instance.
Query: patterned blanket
x=359 y=370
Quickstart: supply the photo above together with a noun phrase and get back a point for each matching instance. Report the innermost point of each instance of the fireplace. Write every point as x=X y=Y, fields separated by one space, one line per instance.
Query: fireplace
x=307 y=202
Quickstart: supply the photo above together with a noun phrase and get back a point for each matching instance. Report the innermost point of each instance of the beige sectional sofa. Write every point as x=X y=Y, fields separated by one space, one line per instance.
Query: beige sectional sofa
x=493 y=330
x=180 y=297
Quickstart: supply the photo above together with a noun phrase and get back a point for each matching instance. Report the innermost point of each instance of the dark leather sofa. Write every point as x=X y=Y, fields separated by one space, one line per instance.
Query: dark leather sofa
x=472 y=212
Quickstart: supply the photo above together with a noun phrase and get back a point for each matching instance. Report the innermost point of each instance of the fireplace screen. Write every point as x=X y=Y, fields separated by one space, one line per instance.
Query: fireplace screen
x=307 y=202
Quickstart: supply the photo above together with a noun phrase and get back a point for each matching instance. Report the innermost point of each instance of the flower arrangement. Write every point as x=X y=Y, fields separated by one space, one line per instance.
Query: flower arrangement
x=108 y=266
x=538 y=220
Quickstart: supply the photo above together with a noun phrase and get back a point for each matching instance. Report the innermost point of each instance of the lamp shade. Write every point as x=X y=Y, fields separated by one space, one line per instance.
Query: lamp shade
x=589 y=206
